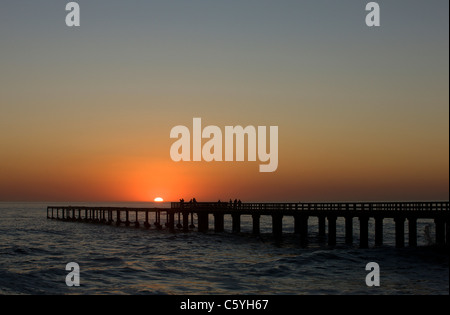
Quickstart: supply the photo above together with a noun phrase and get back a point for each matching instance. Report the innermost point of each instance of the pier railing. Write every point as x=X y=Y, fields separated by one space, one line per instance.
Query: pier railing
x=313 y=206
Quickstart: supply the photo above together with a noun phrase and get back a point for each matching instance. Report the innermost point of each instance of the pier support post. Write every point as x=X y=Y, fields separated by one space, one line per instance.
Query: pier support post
x=192 y=226
x=303 y=223
x=127 y=218
x=185 y=221
x=440 y=231
x=236 y=219
x=179 y=225
x=378 y=231
x=146 y=223
x=167 y=219
x=202 y=221
x=118 y=218
x=171 y=224
x=447 y=233
x=364 y=232
x=321 y=225
x=136 y=222
x=256 y=223
x=349 y=229
x=218 y=222
x=158 y=220
x=399 y=232
x=332 y=230
x=412 y=231
x=277 y=225
x=296 y=224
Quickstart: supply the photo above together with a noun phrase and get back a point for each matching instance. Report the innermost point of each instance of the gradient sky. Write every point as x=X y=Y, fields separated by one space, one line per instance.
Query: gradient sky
x=86 y=113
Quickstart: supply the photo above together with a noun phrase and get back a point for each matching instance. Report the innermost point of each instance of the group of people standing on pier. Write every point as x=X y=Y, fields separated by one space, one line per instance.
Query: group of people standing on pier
x=193 y=201
x=236 y=204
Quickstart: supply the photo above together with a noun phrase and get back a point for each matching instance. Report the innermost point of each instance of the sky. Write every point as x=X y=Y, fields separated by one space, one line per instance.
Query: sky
x=86 y=112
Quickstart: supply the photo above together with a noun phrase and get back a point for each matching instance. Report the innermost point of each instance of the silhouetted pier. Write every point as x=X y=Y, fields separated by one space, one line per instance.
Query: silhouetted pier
x=181 y=216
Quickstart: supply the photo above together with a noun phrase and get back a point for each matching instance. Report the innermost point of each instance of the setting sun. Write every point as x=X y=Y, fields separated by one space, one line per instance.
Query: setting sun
x=158 y=199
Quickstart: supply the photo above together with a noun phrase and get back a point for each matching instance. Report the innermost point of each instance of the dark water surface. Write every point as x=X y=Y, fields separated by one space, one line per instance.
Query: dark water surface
x=118 y=260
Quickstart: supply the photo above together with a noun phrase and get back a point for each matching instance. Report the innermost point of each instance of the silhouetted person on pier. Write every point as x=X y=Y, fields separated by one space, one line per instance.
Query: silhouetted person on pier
x=235 y=203
x=239 y=203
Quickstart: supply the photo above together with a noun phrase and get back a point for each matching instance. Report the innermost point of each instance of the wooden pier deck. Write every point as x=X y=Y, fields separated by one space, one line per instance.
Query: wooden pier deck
x=326 y=214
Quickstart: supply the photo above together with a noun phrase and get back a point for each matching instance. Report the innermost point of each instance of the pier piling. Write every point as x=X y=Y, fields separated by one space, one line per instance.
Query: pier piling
x=378 y=230
x=321 y=219
x=440 y=231
x=303 y=222
x=412 y=232
x=277 y=225
x=332 y=230
x=256 y=223
x=399 y=232
x=218 y=222
x=202 y=221
x=364 y=231
x=349 y=229
x=236 y=222
x=185 y=221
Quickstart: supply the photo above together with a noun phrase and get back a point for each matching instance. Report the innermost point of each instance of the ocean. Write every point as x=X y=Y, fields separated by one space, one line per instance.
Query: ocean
x=34 y=252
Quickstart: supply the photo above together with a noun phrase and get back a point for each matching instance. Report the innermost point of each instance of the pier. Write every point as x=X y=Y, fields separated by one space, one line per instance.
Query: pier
x=180 y=216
